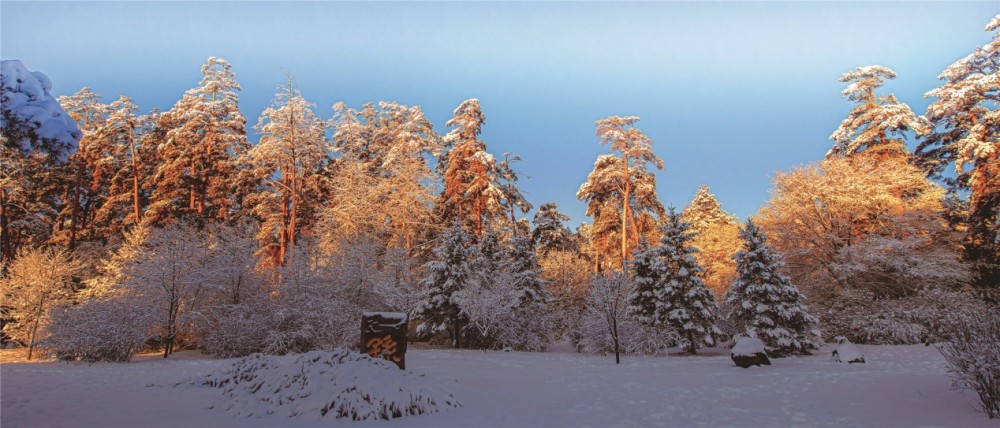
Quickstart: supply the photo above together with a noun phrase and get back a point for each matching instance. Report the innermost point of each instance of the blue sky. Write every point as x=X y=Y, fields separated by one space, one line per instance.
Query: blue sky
x=729 y=92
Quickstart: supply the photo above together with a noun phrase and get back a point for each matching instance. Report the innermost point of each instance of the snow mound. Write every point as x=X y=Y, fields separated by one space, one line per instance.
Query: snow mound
x=340 y=383
x=846 y=352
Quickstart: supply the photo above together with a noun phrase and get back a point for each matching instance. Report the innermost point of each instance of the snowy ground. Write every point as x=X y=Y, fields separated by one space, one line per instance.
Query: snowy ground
x=900 y=386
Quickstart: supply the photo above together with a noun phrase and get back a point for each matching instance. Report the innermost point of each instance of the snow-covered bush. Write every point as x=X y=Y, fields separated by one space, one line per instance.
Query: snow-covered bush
x=635 y=338
x=919 y=318
x=99 y=330
x=606 y=327
x=337 y=384
x=237 y=330
x=973 y=355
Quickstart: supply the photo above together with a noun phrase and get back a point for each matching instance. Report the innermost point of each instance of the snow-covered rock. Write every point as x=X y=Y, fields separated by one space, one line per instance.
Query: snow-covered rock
x=846 y=352
x=749 y=351
x=338 y=384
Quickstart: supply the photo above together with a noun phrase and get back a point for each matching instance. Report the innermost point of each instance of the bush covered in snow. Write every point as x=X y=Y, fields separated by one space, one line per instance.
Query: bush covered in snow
x=606 y=323
x=973 y=355
x=99 y=330
x=337 y=384
x=919 y=318
x=846 y=352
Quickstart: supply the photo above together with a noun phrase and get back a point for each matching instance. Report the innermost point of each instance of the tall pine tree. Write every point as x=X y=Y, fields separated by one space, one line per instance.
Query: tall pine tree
x=766 y=302
x=716 y=236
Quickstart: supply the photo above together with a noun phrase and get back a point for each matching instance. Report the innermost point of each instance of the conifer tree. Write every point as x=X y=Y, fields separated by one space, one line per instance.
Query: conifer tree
x=446 y=276
x=85 y=178
x=201 y=161
x=716 y=236
x=130 y=164
x=289 y=157
x=522 y=264
x=471 y=191
x=684 y=302
x=550 y=232
x=877 y=122
x=766 y=302
x=648 y=269
x=965 y=130
x=620 y=188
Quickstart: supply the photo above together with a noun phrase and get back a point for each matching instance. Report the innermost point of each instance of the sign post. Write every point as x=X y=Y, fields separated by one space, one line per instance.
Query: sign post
x=383 y=335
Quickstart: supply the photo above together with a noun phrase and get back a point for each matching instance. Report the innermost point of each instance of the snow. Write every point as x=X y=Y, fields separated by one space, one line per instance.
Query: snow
x=900 y=386
x=28 y=99
x=847 y=352
x=337 y=384
x=748 y=347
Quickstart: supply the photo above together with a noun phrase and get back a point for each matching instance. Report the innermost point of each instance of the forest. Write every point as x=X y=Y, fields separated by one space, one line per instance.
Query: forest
x=124 y=231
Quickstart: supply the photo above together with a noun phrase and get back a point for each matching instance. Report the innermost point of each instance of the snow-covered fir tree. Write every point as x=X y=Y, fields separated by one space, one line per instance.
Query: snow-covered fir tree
x=550 y=232
x=716 y=236
x=522 y=264
x=965 y=130
x=766 y=302
x=130 y=164
x=678 y=297
x=648 y=268
x=446 y=276
x=86 y=178
x=514 y=199
x=877 y=122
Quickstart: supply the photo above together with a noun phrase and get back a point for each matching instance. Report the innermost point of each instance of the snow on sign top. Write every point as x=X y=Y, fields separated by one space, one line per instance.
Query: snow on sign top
x=390 y=315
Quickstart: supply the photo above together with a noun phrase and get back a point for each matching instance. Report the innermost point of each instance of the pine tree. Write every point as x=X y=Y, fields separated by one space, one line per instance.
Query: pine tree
x=766 y=302
x=522 y=264
x=471 y=193
x=965 y=130
x=86 y=179
x=648 y=270
x=513 y=198
x=875 y=119
x=446 y=276
x=130 y=165
x=716 y=236
x=623 y=180
x=289 y=158
x=201 y=161
x=550 y=232
x=686 y=304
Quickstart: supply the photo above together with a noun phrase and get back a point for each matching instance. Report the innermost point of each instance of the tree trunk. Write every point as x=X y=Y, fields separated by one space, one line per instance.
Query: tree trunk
x=618 y=358
x=135 y=178
x=625 y=206
x=74 y=212
x=5 y=247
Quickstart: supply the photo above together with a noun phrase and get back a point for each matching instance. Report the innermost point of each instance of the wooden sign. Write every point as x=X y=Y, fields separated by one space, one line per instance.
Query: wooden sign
x=383 y=335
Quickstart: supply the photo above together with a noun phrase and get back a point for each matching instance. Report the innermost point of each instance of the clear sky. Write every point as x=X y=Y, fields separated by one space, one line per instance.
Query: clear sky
x=729 y=92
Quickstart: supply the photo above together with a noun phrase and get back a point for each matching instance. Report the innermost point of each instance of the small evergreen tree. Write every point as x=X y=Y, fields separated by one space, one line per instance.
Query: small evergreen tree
x=446 y=276
x=522 y=264
x=550 y=231
x=648 y=270
x=766 y=302
x=678 y=296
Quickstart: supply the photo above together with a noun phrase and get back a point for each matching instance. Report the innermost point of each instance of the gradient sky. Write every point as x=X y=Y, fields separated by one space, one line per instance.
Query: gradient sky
x=729 y=92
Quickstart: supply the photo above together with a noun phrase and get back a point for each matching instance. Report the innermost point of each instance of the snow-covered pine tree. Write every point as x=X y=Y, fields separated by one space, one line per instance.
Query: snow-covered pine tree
x=766 y=302
x=685 y=303
x=513 y=197
x=446 y=276
x=604 y=192
x=522 y=264
x=877 y=122
x=550 y=232
x=621 y=182
x=716 y=236
x=199 y=173
x=965 y=129
x=30 y=117
x=471 y=193
x=130 y=164
x=85 y=177
x=289 y=157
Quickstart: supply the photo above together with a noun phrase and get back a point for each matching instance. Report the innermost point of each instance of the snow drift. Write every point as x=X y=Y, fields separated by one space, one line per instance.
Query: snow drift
x=340 y=383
